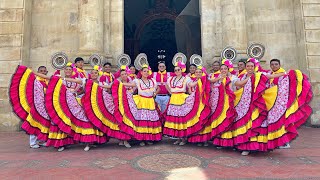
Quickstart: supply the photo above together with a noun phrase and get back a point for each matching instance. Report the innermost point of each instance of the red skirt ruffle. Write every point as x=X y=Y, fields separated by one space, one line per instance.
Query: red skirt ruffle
x=57 y=138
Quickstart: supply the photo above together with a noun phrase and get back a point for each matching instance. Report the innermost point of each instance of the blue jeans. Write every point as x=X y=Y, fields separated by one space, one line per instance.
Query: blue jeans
x=162 y=101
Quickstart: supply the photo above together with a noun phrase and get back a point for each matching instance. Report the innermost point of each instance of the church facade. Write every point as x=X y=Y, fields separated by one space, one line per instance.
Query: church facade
x=33 y=31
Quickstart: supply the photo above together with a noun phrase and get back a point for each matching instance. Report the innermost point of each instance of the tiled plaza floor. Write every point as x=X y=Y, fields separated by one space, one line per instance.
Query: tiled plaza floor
x=159 y=161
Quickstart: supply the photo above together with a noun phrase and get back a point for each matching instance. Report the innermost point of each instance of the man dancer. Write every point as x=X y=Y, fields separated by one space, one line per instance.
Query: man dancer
x=276 y=68
x=162 y=97
x=216 y=66
x=241 y=66
x=34 y=143
x=107 y=77
x=79 y=62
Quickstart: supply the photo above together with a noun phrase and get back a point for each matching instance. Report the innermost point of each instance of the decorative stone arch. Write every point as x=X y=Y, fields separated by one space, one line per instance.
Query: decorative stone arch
x=152 y=17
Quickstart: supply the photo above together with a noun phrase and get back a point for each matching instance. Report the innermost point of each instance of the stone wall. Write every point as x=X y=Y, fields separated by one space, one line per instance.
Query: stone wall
x=272 y=23
x=14 y=45
x=238 y=23
x=311 y=16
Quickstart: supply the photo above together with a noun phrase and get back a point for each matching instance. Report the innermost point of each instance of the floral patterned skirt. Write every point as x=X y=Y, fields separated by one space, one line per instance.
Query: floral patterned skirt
x=251 y=111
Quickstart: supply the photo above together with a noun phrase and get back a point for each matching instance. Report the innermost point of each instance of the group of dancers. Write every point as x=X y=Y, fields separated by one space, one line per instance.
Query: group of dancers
x=251 y=109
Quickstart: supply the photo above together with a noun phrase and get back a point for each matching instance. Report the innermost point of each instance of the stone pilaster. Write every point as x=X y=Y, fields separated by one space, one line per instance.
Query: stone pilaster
x=234 y=31
x=311 y=16
x=91 y=26
x=116 y=28
x=210 y=18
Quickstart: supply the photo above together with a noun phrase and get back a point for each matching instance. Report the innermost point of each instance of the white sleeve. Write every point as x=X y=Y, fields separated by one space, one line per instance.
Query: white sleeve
x=136 y=81
x=155 y=83
x=234 y=79
x=168 y=81
x=188 y=80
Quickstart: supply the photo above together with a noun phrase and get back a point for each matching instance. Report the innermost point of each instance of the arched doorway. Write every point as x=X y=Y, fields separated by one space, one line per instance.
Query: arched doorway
x=158 y=35
x=166 y=26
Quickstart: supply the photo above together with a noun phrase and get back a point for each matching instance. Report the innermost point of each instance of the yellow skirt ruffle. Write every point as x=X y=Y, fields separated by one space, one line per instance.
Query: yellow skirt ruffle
x=178 y=98
x=144 y=102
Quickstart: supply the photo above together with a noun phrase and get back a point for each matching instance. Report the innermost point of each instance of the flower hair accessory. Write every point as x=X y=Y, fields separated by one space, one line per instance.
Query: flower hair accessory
x=203 y=69
x=74 y=68
x=148 y=67
x=253 y=60
x=181 y=65
x=256 y=64
x=126 y=68
x=229 y=64
x=99 y=69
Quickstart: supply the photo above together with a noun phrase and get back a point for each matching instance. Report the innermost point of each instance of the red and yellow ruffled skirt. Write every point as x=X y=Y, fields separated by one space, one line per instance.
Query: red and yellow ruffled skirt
x=67 y=113
x=222 y=113
x=138 y=115
x=99 y=107
x=186 y=114
x=288 y=108
x=251 y=111
x=27 y=95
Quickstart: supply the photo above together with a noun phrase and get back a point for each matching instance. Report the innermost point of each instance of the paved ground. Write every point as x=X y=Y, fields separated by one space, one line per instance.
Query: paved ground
x=159 y=161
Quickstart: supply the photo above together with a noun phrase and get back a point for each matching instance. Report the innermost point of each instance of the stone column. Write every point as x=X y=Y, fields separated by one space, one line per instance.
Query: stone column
x=116 y=28
x=107 y=4
x=208 y=30
x=234 y=25
x=91 y=26
x=107 y=31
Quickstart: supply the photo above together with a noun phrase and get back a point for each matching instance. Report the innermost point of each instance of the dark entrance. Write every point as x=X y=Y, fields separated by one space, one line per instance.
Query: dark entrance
x=162 y=27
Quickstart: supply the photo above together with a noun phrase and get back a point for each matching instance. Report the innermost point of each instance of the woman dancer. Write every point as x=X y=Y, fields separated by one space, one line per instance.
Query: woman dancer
x=221 y=103
x=138 y=114
x=99 y=107
x=287 y=107
x=251 y=108
x=186 y=114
